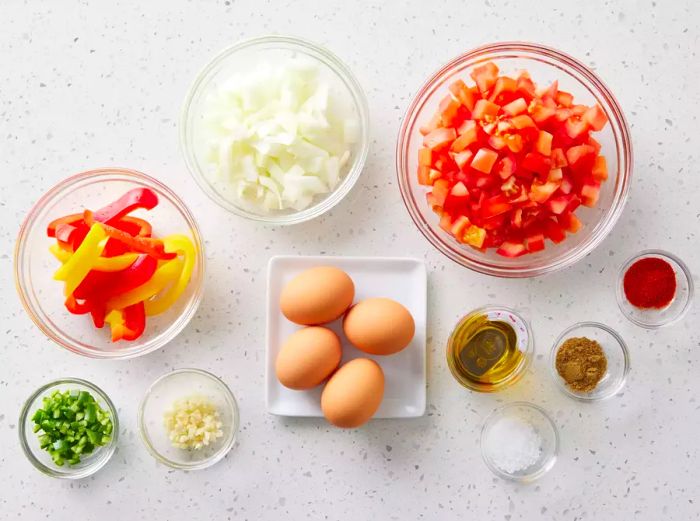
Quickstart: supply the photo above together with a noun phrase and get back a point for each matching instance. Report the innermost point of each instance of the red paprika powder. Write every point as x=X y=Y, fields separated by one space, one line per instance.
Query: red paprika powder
x=650 y=283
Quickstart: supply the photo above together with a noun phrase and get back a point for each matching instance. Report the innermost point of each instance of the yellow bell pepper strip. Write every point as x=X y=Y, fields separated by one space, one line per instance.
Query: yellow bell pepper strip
x=79 y=265
x=128 y=323
x=183 y=246
x=107 y=264
x=166 y=274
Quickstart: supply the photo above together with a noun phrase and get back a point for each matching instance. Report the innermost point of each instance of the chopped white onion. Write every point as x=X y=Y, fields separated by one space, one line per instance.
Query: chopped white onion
x=278 y=136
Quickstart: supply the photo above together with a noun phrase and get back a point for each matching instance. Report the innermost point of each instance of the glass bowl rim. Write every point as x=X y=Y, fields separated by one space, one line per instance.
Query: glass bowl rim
x=516 y=375
x=108 y=450
x=619 y=341
x=30 y=220
x=225 y=447
x=623 y=145
x=339 y=68
x=493 y=415
x=621 y=300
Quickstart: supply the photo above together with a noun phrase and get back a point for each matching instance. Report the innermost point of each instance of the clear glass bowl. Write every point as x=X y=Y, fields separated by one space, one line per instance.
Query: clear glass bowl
x=545 y=65
x=160 y=397
x=656 y=318
x=526 y=344
x=247 y=54
x=616 y=353
x=543 y=425
x=30 y=440
x=34 y=264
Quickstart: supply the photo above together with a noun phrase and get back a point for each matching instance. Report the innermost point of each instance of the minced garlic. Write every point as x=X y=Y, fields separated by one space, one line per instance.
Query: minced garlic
x=193 y=423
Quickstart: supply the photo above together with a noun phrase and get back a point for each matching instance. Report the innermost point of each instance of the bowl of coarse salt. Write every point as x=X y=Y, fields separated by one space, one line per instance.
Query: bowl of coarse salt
x=519 y=442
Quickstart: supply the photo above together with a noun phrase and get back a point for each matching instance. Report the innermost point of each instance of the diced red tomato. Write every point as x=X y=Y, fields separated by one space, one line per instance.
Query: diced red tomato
x=431 y=125
x=554 y=231
x=440 y=138
x=511 y=249
x=544 y=143
x=484 y=160
x=463 y=94
x=600 y=169
x=515 y=107
x=484 y=109
x=485 y=76
x=595 y=117
x=534 y=242
x=509 y=163
x=449 y=108
x=536 y=163
x=540 y=192
x=570 y=222
x=590 y=191
x=495 y=206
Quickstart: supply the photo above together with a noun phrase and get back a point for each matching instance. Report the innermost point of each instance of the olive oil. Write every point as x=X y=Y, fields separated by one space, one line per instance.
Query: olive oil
x=483 y=352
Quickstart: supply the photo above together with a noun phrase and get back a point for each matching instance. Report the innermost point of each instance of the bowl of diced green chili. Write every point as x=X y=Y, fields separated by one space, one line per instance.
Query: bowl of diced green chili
x=68 y=428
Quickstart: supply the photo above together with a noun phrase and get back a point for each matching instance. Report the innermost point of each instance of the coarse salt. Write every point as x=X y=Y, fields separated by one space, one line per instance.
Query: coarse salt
x=513 y=444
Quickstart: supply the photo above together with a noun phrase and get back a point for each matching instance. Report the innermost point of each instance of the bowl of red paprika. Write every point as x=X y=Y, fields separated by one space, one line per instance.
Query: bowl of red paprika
x=109 y=263
x=654 y=289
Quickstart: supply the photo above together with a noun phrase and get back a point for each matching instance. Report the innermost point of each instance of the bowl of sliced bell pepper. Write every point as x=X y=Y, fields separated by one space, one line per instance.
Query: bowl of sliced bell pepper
x=109 y=264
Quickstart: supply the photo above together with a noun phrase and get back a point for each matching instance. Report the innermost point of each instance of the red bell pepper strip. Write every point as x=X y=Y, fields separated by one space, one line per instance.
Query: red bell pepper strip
x=128 y=323
x=76 y=306
x=74 y=219
x=98 y=315
x=130 y=201
x=122 y=281
x=152 y=247
x=93 y=283
x=131 y=225
x=71 y=236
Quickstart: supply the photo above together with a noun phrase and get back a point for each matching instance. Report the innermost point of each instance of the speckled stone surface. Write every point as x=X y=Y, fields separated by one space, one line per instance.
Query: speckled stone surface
x=88 y=84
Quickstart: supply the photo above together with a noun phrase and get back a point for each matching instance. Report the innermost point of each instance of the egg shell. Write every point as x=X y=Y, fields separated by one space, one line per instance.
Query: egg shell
x=379 y=326
x=317 y=295
x=308 y=357
x=353 y=394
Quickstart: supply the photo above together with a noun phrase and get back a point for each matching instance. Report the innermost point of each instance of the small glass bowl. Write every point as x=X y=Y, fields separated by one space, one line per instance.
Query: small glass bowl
x=41 y=296
x=526 y=344
x=656 y=318
x=160 y=397
x=545 y=65
x=544 y=426
x=30 y=440
x=615 y=351
x=248 y=53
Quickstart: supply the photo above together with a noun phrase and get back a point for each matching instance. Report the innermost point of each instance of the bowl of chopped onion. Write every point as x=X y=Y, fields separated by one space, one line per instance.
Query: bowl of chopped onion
x=275 y=129
x=188 y=419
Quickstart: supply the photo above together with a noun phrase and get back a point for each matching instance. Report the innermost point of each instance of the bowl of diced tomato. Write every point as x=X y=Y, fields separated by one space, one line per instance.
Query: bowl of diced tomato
x=514 y=160
x=109 y=264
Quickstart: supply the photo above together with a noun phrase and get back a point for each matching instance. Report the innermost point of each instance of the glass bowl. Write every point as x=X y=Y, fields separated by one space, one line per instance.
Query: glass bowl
x=247 y=54
x=40 y=458
x=545 y=65
x=525 y=343
x=160 y=397
x=492 y=449
x=656 y=318
x=34 y=264
x=616 y=353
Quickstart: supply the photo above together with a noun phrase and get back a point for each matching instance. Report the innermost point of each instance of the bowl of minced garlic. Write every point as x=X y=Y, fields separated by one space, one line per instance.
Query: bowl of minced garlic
x=590 y=361
x=188 y=419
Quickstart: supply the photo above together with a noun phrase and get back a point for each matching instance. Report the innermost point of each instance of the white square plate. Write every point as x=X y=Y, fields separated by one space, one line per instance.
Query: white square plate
x=401 y=279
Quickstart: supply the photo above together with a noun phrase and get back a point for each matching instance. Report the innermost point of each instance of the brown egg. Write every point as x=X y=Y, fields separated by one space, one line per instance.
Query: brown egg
x=317 y=295
x=308 y=357
x=353 y=394
x=379 y=326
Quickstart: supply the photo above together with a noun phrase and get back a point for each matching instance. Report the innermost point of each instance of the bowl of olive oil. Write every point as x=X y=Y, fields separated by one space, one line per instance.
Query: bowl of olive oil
x=490 y=349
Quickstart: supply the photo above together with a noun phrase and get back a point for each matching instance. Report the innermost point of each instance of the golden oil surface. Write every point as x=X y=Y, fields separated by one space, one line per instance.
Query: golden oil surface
x=485 y=351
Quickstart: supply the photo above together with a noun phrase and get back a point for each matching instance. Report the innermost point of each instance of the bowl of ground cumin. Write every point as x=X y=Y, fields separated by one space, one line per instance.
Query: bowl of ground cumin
x=589 y=361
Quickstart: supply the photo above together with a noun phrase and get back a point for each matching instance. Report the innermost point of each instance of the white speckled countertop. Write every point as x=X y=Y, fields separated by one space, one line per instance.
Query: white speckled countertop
x=87 y=84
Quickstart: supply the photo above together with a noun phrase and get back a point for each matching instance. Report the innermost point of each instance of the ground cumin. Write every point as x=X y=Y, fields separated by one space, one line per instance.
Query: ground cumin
x=581 y=363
